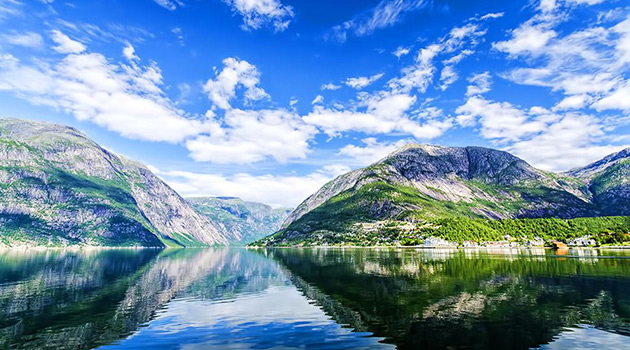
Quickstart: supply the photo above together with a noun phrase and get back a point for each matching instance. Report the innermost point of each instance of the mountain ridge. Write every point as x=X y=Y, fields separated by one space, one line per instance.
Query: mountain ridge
x=429 y=183
x=244 y=221
x=61 y=188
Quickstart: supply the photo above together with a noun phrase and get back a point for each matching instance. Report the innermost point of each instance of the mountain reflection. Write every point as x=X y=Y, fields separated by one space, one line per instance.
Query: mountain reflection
x=314 y=298
x=436 y=299
x=81 y=299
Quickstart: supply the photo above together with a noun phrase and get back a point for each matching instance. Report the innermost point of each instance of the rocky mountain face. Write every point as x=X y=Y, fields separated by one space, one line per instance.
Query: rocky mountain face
x=609 y=182
x=244 y=221
x=58 y=188
x=419 y=182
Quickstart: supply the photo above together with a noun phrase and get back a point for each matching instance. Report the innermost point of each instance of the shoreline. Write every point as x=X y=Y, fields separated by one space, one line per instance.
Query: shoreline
x=89 y=248
x=431 y=247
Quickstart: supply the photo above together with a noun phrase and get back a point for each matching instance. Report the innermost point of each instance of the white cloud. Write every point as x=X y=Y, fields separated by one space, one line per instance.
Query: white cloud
x=285 y=191
x=419 y=75
x=617 y=99
x=572 y=102
x=499 y=120
x=569 y=143
x=318 y=99
x=235 y=73
x=588 y=65
x=546 y=139
x=587 y=2
x=385 y=14
x=258 y=13
x=246 y=136
x=124 y=99
x=479 y=84
x=330 y=86
x=401 y=51
x=10 y=8
x=380 y=114
x=371 y=152
x=66 y=45
x=448 y=77
x=169 y=4
x=130 y=53
x=526 y=39
x=362 y=82
x=458 y=43
x=547 y=5
x=179 y=34
x=26 y=39
x=492 y=15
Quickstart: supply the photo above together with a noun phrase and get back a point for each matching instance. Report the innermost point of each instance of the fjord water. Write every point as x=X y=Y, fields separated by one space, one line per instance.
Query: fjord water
x=231 y=298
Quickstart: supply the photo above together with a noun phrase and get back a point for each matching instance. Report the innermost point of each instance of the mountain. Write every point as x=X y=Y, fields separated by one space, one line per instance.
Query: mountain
x=59 y=188
x=609 y=182
x=422 y=188
x=244 y=221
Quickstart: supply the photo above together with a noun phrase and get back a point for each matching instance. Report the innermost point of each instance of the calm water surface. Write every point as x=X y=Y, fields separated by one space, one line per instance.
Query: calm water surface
x=314 y=299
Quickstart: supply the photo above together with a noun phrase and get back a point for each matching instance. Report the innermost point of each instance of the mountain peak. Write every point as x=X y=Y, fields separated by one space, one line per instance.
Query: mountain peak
x=61 y=188
x=598 y=166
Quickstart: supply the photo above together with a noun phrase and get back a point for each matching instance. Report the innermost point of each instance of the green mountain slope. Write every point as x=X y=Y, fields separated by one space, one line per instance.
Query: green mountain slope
x=420 y=190
x=244 y=221
x=59 y=188
x=609 y=181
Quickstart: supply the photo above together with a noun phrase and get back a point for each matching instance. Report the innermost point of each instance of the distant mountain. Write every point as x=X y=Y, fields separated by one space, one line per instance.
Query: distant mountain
x=609 y=182
x=425 y=185
x=244 y=221
x=59 y=188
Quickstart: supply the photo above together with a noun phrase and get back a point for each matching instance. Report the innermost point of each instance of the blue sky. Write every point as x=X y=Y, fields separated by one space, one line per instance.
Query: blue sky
x=269 y=99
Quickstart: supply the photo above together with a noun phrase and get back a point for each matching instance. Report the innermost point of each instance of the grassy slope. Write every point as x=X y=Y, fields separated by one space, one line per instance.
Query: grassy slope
x=454 y=221
x=126 y=227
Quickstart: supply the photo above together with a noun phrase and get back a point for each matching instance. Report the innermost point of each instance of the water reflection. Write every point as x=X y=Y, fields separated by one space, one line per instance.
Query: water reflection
x=471 y=299
x=314 y=298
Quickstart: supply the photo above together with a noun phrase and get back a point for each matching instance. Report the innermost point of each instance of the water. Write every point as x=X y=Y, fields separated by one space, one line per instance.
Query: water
x=314 y=299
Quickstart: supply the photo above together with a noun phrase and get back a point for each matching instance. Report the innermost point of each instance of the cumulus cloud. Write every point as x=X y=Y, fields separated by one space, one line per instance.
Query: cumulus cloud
x=255 y=13
x=248 y=136
x=259 y=13
x=127 y=99
x=588 y=65
x=526 y=39
x=362 y=82
x=479 y=84
x=25 y=39
x=285 y=191
x=447 y=77
x=499 y=120
x=66 y=45
x=371 y=151
x=619 y=98
x=572 y=102
x=379 y=113
x=546 y=139
x=235 y=73
x=419 y=75
x=130 y=53
x=571 y=142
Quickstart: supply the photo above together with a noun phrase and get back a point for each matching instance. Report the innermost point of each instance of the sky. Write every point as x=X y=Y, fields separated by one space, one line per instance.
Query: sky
x=268 y=100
